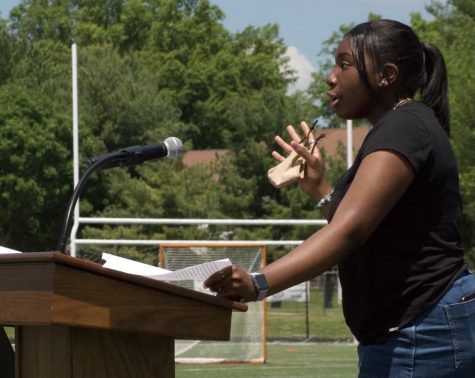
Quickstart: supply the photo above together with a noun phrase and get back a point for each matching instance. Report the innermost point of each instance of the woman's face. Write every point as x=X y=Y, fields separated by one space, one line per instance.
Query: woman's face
x=349 y=96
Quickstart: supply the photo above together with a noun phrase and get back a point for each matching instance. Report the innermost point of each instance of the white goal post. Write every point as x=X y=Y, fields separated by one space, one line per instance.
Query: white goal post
x=248 y=329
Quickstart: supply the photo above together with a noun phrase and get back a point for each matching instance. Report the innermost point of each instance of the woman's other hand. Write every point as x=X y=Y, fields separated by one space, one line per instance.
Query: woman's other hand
x=313 y=183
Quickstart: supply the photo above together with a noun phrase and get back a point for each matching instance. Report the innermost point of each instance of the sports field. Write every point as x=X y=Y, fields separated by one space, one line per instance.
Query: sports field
x=289 y=325
x=292 y=351
x=311 y=360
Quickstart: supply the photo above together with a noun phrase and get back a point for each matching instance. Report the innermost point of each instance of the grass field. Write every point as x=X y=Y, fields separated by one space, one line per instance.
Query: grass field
x=311 y=360
x=299 y=358
x=288 y=322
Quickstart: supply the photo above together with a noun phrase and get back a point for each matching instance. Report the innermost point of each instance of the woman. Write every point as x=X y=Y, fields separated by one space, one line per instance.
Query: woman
x=394 y=216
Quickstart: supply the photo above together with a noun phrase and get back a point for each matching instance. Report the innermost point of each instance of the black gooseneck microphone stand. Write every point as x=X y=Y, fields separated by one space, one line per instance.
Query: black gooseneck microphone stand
x=96 y=165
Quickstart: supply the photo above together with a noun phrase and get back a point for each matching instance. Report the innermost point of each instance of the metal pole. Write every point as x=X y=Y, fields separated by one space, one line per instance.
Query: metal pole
x=349 y=163
x=75 y=143
x=349 y=143
x=307 y=319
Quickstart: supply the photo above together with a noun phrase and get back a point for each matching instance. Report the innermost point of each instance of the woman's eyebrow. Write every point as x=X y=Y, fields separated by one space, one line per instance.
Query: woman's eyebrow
x=343 y=55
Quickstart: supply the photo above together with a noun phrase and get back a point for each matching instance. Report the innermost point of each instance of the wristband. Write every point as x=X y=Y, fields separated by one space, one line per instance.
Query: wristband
x=326 y=199
x=261 y=285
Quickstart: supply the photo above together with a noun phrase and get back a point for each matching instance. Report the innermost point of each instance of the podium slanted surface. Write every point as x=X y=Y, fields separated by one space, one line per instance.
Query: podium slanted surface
x=75 y=318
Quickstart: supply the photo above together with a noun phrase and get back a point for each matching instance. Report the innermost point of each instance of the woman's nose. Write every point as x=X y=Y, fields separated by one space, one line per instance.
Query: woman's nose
x=331 y=79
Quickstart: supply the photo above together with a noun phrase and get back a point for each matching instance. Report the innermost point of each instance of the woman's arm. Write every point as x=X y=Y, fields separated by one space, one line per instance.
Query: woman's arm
x=380 y=181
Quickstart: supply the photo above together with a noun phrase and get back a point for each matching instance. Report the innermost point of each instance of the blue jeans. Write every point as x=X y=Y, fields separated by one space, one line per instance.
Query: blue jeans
x=440 y=343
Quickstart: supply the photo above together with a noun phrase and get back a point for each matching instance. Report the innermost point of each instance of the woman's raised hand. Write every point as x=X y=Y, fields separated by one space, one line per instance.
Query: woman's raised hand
x=313 y=183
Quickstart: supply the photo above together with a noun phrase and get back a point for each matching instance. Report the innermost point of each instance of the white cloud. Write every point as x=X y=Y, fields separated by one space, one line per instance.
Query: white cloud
x=303 y=68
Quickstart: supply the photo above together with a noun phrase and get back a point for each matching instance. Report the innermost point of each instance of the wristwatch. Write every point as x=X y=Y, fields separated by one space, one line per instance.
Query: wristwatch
x=261 y=285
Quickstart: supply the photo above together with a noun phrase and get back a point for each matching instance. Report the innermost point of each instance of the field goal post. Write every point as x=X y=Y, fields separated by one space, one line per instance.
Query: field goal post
x=248 y=342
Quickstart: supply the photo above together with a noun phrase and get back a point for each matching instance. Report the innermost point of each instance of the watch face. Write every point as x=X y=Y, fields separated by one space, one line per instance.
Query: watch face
x=261 y=282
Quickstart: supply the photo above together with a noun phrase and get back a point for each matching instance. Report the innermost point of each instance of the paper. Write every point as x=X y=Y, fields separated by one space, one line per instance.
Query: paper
x=5 y=250
x=198 y=272
x=130 y=266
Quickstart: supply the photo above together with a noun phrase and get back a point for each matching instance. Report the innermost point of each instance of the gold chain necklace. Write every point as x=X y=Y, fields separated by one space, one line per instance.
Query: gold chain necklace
x=402 y=102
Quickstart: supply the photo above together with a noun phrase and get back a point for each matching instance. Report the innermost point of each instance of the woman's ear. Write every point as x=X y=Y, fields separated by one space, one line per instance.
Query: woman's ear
x=389 y=75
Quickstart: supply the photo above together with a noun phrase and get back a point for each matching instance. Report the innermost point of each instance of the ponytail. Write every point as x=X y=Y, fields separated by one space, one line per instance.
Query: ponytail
x=434 y=88
x=421 y=66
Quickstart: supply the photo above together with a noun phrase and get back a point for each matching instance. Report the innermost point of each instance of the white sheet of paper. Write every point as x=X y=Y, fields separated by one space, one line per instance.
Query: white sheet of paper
x=5 y=250
x=198 y=272
x=130 y=266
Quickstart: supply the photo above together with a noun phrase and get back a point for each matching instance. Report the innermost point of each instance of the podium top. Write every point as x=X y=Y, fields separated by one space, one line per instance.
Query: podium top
x=48 y=288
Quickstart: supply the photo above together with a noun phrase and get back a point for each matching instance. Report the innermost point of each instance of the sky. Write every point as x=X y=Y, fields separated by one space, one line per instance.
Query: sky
x=304 y=24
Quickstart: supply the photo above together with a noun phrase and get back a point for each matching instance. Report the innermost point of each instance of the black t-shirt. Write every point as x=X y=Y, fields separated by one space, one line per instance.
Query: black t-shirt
x=416 y=252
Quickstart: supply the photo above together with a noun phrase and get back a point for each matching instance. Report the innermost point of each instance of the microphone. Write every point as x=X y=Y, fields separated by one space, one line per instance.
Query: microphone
x=170 y=148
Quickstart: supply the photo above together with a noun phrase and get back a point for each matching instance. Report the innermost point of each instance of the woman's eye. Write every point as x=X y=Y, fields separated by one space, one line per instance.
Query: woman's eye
x=344 y=65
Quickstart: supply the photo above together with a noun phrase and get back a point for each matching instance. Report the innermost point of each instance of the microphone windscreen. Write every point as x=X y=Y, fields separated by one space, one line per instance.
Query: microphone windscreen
x=174 y=147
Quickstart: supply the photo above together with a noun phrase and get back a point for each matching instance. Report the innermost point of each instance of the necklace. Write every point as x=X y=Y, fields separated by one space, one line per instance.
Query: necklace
x=402 y=102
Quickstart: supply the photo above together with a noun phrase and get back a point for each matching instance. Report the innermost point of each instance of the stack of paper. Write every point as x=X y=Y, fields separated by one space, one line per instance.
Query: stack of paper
x=198 y=272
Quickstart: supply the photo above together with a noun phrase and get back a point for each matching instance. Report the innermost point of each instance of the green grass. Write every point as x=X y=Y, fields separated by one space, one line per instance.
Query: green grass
x=296 y=359
x=288 y=322
x=10 y=331
x=289 y=360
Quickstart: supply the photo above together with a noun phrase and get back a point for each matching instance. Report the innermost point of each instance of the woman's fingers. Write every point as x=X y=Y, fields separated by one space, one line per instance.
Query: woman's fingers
x=232 y=283
x=293 y=133
x=283 y=144
x=302 y=151
x=222 y=283
x=218 y=279
x=309 y=149
x=277 y=156
x=285 y=147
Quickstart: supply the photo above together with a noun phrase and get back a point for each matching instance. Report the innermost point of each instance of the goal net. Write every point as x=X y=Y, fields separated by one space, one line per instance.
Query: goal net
x=248 y=329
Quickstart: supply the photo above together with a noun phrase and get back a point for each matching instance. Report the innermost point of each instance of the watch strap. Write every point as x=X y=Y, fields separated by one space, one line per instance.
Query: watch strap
x=261 y=285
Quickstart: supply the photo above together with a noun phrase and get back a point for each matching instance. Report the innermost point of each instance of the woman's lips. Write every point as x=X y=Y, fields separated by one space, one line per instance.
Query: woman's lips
x=333 y=99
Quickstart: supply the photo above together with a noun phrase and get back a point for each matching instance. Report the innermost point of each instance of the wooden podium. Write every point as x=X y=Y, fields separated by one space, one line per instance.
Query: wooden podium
x=75 y=318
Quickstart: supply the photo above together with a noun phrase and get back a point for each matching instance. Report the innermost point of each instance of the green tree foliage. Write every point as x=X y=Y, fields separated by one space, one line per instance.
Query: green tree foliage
x=33 y=173
x=149 y=69
x=453 y=31
x=5 y=57
x=35 y=178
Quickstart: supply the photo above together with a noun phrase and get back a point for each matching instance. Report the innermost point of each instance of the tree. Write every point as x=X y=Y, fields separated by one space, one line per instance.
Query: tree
x=149 y=69
x=6 y=60
x=453 y=31
x=35 y=157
